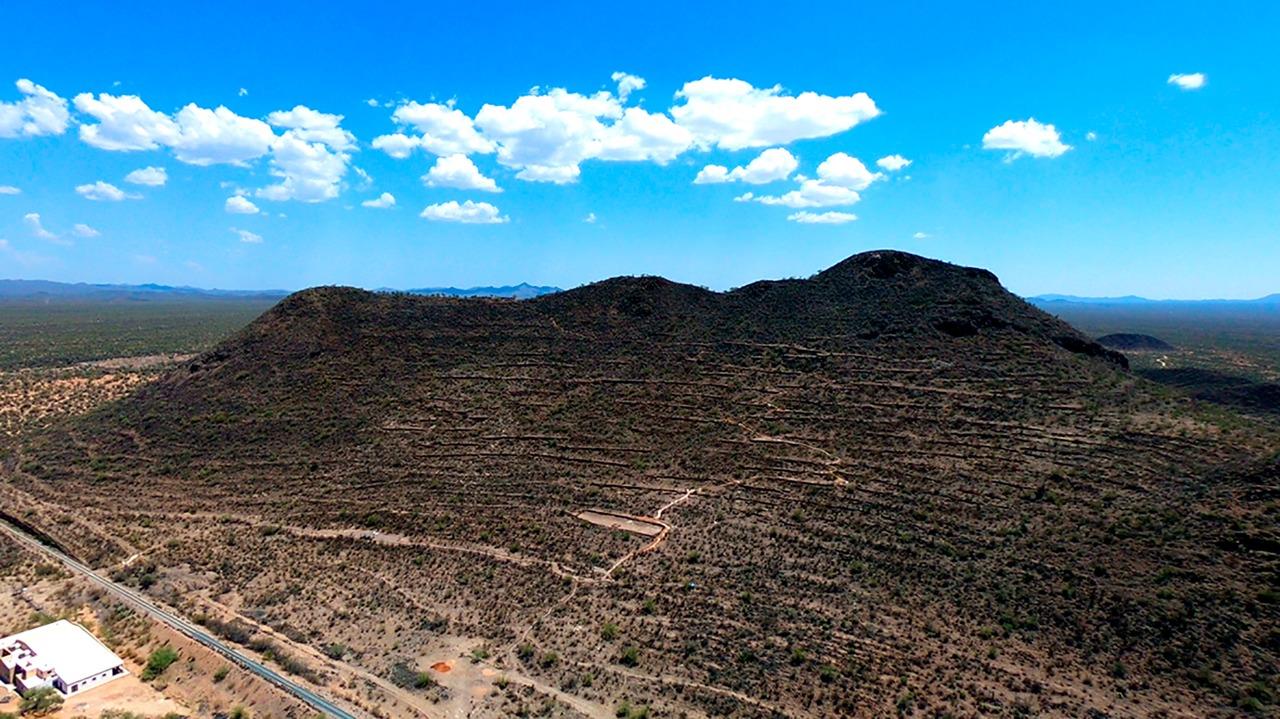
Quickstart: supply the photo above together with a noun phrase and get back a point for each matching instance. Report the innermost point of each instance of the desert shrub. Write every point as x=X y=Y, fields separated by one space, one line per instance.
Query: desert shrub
x=236 y=631
x=159 y=661
x=40 y=701
x=626 y=711
x=406 y=677
x=335 y=650
x=118 y=714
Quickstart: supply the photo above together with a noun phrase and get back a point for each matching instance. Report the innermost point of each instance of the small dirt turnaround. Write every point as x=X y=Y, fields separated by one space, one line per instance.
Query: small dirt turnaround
x=625 y=522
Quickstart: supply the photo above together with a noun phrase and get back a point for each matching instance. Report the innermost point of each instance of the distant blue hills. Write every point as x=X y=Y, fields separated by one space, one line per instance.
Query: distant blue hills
x=48 y=291
x=1134 y=300
x=45 y=290
x=522 y=291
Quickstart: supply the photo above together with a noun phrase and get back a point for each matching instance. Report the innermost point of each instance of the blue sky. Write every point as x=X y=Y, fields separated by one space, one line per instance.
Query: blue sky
x=1124 y=183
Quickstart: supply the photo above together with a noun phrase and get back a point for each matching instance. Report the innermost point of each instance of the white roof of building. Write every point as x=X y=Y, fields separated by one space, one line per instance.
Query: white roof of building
x=69 y=649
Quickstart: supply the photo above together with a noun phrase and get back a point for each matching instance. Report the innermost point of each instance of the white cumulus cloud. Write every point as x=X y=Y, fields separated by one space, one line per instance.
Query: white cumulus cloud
x=458 y=171
x=309 y=158
x=627 y=84
x=811 y=193
x=9 y=190
x=920 y=236
x=733 y=114
x=150 y=176
x=398 y=145
x=442 y=130
x=1188 y=81
x=196 y=135
x=822 y=218
x=84 y=230
x=469 y=212
x=312 y=126
x=308 y=171
x=219 y=136
x=384 y=201
x=769 y=166
x=125 y=123
x=548 y=135
x=104 y=192
x=238 y=205
x=1027 y=137
x=39 y=112
x=712 y=175
x=843 y=170
x=893 y=163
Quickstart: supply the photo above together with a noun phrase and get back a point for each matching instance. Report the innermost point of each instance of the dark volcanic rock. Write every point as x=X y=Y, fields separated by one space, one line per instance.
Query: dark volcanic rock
x=894 y=469
x=1129 y=342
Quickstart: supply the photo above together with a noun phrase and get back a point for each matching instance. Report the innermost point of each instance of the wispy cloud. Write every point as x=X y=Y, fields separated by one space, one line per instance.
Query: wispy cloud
x=822 y=218
x=1189 y=81
x=105 y=192
x=248 y=237
x=36 y=226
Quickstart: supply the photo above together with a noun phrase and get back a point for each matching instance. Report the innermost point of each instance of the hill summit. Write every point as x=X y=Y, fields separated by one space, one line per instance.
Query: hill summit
x=892 y=486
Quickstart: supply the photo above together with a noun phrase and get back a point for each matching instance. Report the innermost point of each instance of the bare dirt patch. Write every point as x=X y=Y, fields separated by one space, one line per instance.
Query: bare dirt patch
x=624 y=522
x=127 y=693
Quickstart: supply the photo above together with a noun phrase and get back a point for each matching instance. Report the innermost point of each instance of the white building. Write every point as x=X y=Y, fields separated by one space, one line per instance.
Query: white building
x=61 y=655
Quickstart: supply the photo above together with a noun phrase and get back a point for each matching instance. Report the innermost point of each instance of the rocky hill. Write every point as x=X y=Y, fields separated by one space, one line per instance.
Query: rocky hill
x=890 y=487
x=1132 y=342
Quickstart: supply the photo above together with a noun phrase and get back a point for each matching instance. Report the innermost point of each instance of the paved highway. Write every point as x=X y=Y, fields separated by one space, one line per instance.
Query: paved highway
x=144 y=605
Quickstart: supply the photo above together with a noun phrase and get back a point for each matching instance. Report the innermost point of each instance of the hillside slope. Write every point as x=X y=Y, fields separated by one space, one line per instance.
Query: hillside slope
x=893 y=486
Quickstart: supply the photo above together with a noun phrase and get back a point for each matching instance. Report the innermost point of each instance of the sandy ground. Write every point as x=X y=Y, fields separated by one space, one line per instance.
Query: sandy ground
x=623 y=522
x=127 y=693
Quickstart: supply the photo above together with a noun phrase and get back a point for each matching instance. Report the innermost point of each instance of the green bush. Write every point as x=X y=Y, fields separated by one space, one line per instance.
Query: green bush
x=40 y=701
x=159 y=661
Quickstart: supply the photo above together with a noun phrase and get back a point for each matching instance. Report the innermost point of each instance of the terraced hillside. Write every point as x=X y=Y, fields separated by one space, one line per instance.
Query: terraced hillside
x=891 y=487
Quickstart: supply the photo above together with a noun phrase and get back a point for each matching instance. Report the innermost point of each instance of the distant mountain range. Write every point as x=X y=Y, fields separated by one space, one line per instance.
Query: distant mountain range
x=44 y=290
x=47 y=290
x=1043 y=300
x=522 y=291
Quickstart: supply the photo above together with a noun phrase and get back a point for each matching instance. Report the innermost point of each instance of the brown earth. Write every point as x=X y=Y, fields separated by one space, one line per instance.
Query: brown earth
x=890 y=488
